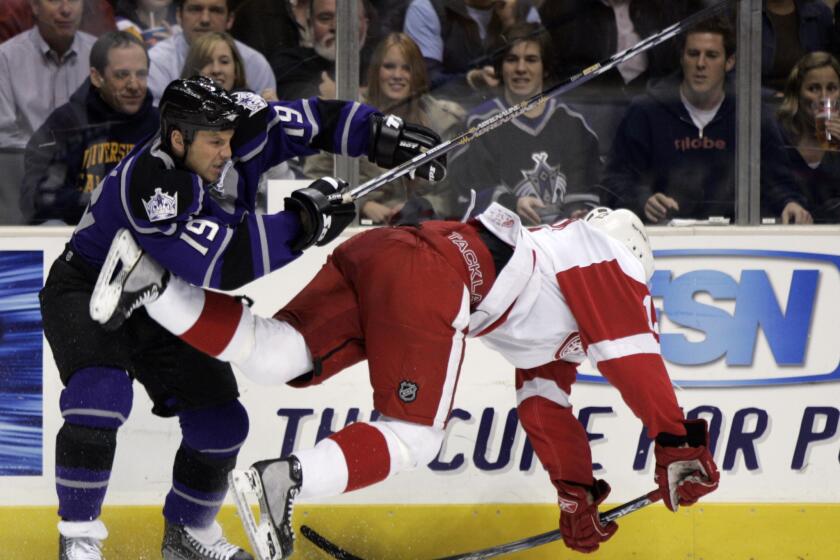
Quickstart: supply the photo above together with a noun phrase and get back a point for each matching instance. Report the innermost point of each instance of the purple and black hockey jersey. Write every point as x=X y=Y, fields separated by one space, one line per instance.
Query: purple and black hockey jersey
x=210 y=235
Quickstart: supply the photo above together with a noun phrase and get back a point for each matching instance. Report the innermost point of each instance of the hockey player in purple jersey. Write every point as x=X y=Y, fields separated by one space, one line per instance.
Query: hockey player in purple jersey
x=188 y=197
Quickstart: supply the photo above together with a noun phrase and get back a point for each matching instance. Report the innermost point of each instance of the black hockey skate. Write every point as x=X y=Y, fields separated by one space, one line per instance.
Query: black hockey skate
x=119 y=291
x=275 y=483
x=179 y=544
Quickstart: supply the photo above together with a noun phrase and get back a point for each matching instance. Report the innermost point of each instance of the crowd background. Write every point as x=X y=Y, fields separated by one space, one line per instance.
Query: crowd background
x=658 y=134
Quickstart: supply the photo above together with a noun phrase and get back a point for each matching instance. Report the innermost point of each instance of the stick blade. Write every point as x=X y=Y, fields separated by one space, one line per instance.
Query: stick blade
x=260 y=533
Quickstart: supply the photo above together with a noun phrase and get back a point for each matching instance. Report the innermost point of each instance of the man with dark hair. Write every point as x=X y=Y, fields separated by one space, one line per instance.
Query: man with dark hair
x=84 y=139
x=674 y=153
x=455 y=37
x=197 y=17
x=188 y=195
x=544 y=167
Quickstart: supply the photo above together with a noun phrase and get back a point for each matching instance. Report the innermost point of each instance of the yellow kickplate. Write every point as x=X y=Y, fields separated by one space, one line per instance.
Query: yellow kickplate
x=417 y=532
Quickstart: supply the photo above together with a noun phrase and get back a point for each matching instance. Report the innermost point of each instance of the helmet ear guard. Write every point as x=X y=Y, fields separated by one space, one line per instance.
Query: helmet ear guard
x=626 y=227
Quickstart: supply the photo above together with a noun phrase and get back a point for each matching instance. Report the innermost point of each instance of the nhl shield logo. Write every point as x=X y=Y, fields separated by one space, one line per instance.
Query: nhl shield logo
x=161 y=206
x=408 y=391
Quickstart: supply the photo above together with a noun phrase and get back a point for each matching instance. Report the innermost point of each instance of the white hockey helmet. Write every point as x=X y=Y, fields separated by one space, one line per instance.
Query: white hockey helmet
x=626 y=227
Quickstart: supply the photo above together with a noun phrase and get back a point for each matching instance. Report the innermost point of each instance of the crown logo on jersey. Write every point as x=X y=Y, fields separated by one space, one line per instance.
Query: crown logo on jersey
x=161 y=206
x=549 y=183
x=252 y=102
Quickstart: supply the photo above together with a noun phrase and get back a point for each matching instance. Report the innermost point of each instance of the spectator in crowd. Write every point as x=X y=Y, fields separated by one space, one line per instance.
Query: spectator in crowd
x=39 y=70
x=269 y=26
x=197 y=17
x=588 y=31
x=85 y=138
x=817 y=170
x=674 y=153
x=16 y=17
x=790 y=29
x=214 y=54
x=307 y=71
x=544 y=165
x=151 y=20
x=51 y=58
x=454 y=37
x=398 y=84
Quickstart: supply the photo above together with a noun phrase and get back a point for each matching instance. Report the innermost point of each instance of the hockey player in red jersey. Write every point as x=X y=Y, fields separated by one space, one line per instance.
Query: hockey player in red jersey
x=545 y=298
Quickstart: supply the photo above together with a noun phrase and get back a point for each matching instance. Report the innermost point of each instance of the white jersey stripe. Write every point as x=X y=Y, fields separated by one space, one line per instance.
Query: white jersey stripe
x=313 y=122
x=345 y=133
x=453 y=366
x=544 y=388
x=627 y=346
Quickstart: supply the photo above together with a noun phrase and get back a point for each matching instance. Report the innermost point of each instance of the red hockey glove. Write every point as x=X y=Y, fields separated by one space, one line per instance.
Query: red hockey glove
x=685 y=470
x=579 y=522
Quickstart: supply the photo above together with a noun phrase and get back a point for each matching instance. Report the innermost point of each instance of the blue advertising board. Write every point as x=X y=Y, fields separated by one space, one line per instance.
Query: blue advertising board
x=21 y=363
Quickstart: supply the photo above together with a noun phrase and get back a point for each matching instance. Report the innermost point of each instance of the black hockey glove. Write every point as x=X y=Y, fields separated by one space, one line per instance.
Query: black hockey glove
x=393 y=142
x=323 y=215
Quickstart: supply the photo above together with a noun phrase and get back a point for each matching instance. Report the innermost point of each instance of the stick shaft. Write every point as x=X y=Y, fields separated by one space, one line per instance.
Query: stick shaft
x=555 y=535
x=523 y=107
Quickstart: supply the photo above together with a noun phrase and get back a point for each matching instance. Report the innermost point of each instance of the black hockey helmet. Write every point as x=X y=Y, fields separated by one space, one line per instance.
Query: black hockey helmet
x=196 y=103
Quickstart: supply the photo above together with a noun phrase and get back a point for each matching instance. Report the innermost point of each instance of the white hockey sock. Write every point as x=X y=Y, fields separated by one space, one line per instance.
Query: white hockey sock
x=325 y=467
x=83 y=529
x=208 y=536
x=324 y=470
x=214 y=323
x=178 y=307
x=277 y=352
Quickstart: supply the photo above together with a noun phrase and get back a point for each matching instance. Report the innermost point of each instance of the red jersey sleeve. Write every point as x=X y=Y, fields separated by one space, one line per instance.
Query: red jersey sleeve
x=615 y=316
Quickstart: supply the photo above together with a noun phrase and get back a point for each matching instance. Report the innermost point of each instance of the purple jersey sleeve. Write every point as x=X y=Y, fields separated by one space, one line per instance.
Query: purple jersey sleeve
x=211 y=235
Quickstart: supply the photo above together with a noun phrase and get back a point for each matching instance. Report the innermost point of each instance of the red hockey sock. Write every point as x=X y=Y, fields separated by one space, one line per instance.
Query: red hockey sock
x=215 y=327
x=366 y=453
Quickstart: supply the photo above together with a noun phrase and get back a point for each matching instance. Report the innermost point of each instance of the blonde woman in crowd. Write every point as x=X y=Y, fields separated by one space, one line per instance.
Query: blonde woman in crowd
x=814 y=82
x=214 y=54
x=398 y=84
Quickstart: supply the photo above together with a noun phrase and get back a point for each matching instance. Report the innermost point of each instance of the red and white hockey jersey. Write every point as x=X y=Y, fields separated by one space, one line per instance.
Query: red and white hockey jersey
x=569 y=291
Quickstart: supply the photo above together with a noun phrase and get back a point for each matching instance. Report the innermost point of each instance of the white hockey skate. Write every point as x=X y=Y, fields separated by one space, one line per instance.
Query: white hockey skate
x=180 y=544
x=79 y=548
x=121 y=289
x=275 y=483
x=81 y=540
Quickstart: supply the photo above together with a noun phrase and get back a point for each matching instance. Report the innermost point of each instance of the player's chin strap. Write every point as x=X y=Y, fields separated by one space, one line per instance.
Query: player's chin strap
x=523 y=544
x=523 y=107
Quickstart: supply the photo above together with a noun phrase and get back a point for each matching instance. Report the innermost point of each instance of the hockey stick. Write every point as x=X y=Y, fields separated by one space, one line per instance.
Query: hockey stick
x=523 y=107
x=523 y=544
